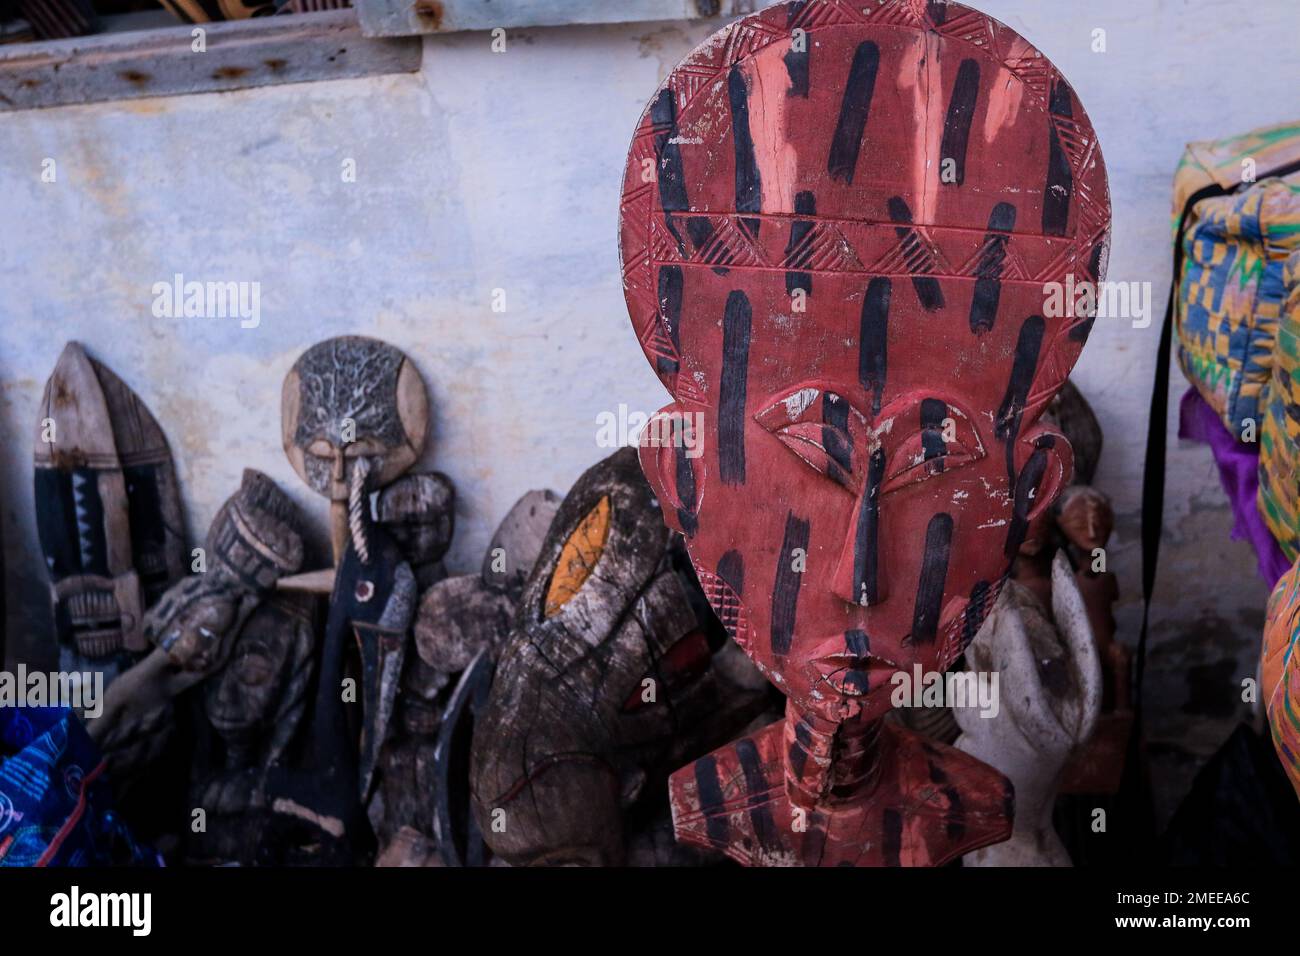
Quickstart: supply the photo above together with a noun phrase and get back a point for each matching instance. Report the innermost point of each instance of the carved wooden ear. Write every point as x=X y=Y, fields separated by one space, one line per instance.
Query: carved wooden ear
x=669 y=452
x=1046 y=471
x=1046 y=463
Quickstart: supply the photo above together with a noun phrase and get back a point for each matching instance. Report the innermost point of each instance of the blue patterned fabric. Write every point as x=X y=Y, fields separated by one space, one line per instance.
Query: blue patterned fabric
x=56 y=807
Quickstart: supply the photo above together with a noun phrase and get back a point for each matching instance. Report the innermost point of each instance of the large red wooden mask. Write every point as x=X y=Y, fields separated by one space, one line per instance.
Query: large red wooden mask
x=838 y=221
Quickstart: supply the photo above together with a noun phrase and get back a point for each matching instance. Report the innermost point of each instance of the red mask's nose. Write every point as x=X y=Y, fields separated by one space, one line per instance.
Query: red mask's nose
x=860 y=575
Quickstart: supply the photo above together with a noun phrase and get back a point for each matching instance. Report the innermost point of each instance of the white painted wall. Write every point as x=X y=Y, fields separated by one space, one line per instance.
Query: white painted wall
x=502 y=171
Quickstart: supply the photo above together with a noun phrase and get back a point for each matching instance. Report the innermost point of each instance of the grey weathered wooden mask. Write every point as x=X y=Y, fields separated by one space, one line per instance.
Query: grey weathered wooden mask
x=349 y=398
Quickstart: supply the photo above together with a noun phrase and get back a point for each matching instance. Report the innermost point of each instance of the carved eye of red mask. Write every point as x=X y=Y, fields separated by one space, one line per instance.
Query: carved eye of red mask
x=824 y=429
x=939 y=439
x=911 y=441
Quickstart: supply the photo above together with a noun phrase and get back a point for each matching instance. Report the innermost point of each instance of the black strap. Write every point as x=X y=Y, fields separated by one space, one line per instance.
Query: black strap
x=1153 y=475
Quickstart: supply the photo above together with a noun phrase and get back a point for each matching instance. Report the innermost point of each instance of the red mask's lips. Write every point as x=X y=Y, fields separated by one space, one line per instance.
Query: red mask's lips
x=851 y=674
x=855 y=674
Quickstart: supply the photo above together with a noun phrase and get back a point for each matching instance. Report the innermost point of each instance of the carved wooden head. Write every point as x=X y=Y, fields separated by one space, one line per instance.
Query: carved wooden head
x=837 y=226
x=607 y=678
x=348 y=398
x=255 y=539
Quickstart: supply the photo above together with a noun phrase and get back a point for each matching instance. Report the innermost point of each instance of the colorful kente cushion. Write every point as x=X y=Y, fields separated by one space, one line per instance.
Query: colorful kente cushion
x=1230 y=290
x=1280 y=672
x=1279 y=453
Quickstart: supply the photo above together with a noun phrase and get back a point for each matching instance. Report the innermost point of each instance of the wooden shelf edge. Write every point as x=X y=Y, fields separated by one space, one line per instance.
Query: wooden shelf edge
x=388 y=18
x=162 y=62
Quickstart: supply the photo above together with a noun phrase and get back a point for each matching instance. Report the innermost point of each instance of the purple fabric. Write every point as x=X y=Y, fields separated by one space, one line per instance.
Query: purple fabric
x=1239 y=473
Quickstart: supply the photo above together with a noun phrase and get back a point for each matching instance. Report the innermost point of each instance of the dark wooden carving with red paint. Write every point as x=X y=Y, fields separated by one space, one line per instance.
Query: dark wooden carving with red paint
x=837 y=223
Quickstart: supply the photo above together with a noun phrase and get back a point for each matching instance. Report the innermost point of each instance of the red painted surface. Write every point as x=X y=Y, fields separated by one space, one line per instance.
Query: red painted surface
x=866 y=346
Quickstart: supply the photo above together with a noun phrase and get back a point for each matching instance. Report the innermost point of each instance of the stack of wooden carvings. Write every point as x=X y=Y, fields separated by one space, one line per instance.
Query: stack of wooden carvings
x=225 y=649
x=275 y=710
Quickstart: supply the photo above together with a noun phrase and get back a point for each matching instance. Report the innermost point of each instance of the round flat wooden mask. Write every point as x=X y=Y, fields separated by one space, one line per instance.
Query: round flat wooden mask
x=347 y=398
x=838 y=227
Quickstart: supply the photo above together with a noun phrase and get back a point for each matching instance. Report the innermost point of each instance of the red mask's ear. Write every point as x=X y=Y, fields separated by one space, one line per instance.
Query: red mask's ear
x=671 y=460
x=1045 y=468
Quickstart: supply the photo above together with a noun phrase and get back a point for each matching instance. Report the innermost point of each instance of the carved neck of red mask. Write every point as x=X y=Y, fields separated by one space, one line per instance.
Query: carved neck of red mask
x=828 y=763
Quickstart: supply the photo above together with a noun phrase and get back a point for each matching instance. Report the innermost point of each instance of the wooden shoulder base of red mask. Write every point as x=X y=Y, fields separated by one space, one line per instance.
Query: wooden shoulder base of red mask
x=932 y=803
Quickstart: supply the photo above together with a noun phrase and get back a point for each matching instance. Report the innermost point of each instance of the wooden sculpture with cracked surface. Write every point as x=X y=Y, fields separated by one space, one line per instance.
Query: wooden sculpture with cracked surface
x=836 y=226
x=614 y=673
